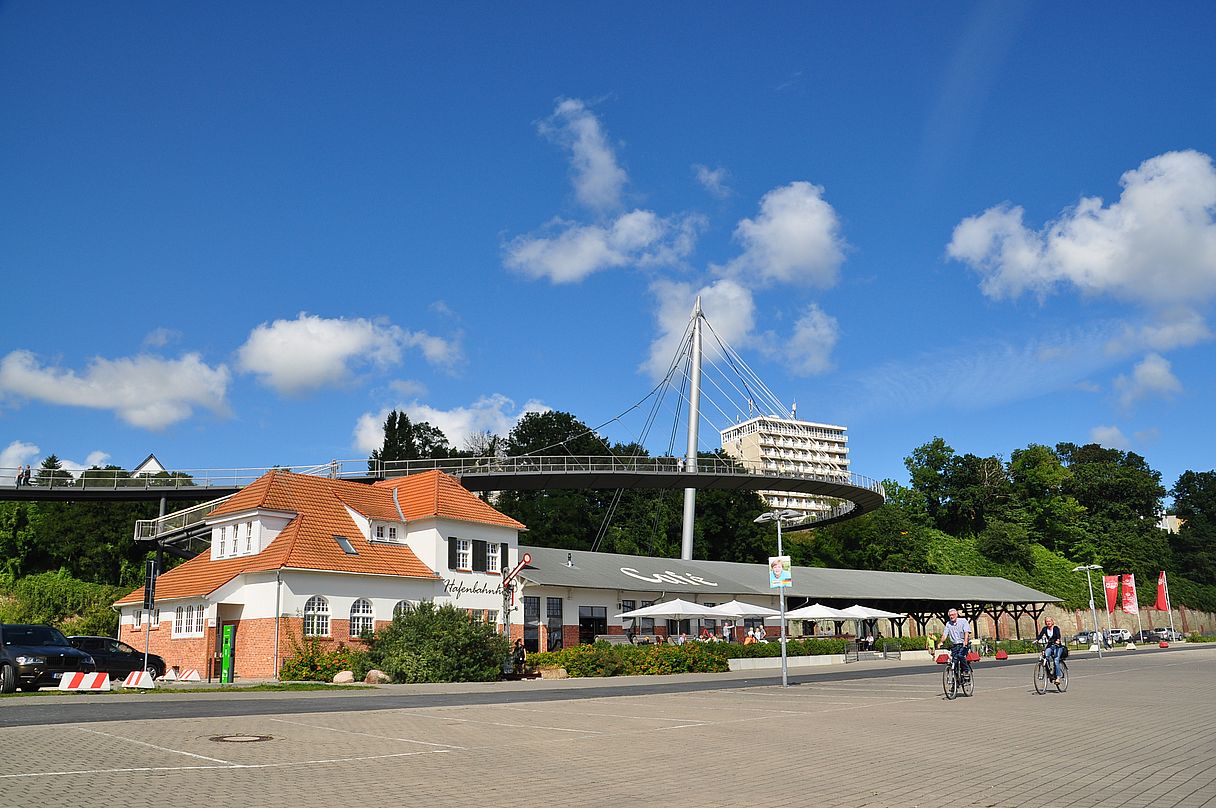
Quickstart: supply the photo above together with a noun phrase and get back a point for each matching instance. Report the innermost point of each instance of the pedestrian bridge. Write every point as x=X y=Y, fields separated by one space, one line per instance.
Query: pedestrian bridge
x=857 y=494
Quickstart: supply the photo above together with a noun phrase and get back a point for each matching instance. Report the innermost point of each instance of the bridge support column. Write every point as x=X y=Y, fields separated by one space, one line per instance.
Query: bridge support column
x=694 y=418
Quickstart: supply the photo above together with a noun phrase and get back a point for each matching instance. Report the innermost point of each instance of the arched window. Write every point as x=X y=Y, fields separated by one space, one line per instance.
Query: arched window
x=316 y=617
x=361 y=615
x=402 y=607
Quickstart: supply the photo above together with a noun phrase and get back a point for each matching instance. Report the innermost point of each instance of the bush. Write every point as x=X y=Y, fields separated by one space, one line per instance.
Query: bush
x=1197 y=637
x=605 y=659
x=56 y=598
x=313 y=662
x=444 y=644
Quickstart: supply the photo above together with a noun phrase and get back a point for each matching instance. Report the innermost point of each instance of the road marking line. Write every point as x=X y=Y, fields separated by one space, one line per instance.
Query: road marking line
x=365 y=734
x=154 y=746
x=600 y=715
x=504 y=724
x=136 y=770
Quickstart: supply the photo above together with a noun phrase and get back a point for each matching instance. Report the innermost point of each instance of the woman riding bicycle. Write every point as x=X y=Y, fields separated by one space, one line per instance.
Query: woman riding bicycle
x=1054 y=649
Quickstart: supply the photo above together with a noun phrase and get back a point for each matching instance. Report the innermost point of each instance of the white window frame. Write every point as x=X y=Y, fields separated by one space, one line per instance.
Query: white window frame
x=362 y=618
x=380 y=532
x=249 y=537
x=400 y=607
x=137 y=619
x=223 y=541
x=464 y=554
x=493 y=557
x=316 y=617
x=154 y=621
x=188 y=620
x=392 y=533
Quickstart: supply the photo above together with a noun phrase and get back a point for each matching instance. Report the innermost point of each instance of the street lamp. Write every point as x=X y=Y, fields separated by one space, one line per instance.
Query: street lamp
x=1093 y=612
x=779 y=517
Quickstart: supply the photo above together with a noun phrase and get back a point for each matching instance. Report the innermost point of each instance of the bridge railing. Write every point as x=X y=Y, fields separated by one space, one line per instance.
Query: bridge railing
x=117 y=479
x=567 y=464
x=152 y=529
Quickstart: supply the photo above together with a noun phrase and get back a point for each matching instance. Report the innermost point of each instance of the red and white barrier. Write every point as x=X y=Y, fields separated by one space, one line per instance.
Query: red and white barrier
x=170 y=675
x=85 y=681
x=190 y=675
x=139 y=679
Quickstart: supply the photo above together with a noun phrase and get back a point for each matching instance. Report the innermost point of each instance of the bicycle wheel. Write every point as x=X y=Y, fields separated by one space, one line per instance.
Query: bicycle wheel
x=967 y=681
x=1040 y=678
x=1062 y=685
x=949 y=684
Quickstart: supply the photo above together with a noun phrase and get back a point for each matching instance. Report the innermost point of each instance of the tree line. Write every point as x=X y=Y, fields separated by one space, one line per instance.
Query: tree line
x=1030 y=518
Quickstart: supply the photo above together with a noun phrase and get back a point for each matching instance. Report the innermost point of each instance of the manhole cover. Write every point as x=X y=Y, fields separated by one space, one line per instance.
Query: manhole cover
x=241 y=738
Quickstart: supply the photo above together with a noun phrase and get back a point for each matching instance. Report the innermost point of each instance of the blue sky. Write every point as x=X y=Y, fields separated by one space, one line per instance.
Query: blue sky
x=237 y=237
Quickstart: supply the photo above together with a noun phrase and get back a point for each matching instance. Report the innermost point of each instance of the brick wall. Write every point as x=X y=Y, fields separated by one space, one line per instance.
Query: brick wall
x=183 y=652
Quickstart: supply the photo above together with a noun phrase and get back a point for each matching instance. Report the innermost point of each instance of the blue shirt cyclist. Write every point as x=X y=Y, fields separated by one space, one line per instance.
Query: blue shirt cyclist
x=958 y=631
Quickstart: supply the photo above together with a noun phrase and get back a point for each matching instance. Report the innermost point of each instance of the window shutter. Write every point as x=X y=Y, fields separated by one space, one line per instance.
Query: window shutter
x=504 y=565
x=479 y=555
x=452 y=552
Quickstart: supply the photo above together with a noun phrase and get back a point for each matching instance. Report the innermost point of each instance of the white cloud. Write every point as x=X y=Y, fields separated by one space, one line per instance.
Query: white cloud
x=407 y=388
x=1152 y=375
x=574 y=251
x=712 y=179
x=1156 y=246
x=160 y=337
x=144 y=391
x=809 y=350
x=728 y=306
x=310 y=352
x=598 y=180
x=1109 y=436
x=1175 y=328
x=794 y=239
x=13 y=456
x=495 y=413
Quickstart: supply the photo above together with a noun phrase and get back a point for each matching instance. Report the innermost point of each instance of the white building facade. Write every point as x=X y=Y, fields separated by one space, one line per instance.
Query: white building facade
x=790 y=446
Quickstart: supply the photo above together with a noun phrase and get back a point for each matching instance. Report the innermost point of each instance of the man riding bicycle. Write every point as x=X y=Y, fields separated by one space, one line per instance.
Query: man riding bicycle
x=958 y=631
x=1050 y=636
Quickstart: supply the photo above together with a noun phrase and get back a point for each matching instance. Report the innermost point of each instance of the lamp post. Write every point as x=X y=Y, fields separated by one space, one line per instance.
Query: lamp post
x=1093 y=612
x=779 y=517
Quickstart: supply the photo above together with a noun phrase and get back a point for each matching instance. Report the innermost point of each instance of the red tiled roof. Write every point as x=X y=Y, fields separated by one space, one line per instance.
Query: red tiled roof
x=434 y=493
x=320 y=505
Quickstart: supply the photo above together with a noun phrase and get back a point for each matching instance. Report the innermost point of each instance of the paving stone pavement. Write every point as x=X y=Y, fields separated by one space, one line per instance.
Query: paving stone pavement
x=1133 y=730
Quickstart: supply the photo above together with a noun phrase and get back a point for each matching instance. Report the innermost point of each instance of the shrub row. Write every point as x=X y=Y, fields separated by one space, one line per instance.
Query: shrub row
x=604 y=659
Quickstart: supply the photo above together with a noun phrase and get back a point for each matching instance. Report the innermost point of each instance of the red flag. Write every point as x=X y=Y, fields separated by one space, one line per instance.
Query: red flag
x=1130 y=606
x=1112 y=591
x=1163 y=601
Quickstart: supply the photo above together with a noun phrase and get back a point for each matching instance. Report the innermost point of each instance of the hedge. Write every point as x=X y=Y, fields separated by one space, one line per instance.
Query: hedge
x=605 y=659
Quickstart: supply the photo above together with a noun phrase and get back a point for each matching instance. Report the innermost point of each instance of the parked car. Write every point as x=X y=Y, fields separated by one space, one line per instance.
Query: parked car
x=117 y=658
x=1084 y=638
x=1119 y=635
x=34 y=656
x=1145 y=636
x=1168 y=634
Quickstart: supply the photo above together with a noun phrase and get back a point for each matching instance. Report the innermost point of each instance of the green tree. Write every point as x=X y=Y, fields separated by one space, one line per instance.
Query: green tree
x=1194 y=545
x=927 y=472
x=1039 y=479
x=406 y=440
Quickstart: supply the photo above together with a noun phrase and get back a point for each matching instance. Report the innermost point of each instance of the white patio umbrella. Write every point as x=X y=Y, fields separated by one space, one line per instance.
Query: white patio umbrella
x=869 y=613
x=817 y=611
x=675 y=610
x=738 y=610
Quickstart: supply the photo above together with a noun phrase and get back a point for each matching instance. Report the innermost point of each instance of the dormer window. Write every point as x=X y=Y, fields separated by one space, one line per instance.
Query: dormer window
x=386 y=532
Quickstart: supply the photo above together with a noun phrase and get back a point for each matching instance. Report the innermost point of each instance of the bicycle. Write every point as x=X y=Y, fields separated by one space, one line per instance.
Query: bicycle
x=1041 y=680
x=955 y=678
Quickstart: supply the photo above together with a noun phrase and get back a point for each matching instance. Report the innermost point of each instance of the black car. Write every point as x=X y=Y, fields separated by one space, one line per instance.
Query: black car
x=117 y=658
x=34 y=656
x=1145 y=636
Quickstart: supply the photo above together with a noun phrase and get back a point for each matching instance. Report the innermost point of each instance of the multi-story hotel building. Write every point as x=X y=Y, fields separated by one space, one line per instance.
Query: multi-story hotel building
x=790 y=446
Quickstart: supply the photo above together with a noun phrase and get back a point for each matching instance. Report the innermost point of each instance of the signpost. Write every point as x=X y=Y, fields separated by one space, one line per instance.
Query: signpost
x=149 y=603
x=508 y=593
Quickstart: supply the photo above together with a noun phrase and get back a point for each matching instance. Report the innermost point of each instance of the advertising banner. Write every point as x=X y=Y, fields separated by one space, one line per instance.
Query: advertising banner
x=1163 y=599
x=1111 y=582
x=779 y=574
x=1130 y=606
